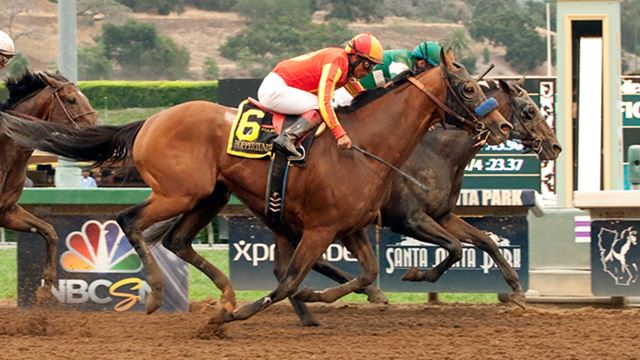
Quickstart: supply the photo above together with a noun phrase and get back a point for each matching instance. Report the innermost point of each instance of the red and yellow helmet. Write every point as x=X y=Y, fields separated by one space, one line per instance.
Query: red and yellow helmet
x=367 y=46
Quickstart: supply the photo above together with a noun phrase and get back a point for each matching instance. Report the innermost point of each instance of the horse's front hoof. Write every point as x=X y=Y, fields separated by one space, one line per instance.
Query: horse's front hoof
x=413 y=274
x=248 y=310
x=519 y=299
x=153 y=302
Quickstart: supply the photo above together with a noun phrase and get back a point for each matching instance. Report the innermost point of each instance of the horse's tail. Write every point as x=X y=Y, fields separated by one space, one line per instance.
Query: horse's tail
x=96 y=143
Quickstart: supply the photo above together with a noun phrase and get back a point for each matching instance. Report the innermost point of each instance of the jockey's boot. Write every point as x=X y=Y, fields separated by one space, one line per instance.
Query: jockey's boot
x=286 y=141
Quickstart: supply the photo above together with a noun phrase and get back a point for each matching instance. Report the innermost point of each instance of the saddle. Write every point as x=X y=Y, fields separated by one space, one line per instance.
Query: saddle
x=255 y=128
x=252 y=135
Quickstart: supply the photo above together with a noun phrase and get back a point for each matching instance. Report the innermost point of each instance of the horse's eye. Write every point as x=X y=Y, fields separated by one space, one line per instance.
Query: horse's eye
x=72 y=100
x=531 y=111
x=468 y=89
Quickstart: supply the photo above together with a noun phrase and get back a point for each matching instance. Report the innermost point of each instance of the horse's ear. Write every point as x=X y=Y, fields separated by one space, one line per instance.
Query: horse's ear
x=506 y=87
x=45 y=78
x=520 y=81
x=447 y=58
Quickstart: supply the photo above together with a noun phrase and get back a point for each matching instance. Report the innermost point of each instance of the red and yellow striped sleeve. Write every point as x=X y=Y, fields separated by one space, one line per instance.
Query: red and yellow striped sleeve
x=354 y=87
x=331 y=74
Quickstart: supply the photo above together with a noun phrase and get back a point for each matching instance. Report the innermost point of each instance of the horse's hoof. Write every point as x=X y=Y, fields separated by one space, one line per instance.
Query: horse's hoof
x=44 y=297
x=153 y=302
x=413 y=274
x=310 y=323
x=519 y=299
x=248 y=310
x=376 y=296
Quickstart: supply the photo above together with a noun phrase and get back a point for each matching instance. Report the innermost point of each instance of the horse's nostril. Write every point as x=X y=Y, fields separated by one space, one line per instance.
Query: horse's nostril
x=506 y=128
x=557 y=148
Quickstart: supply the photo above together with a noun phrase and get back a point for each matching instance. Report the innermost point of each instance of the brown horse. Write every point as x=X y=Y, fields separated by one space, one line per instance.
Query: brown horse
x=439 y=161
x=52 y=98
x=181 y=155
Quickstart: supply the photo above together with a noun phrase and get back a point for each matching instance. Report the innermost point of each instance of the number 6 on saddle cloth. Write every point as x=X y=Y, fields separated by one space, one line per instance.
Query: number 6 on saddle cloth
x=252 y=135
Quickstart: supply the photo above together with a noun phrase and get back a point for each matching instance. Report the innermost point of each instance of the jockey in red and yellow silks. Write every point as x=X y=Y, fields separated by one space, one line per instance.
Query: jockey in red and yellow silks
x=304 y=84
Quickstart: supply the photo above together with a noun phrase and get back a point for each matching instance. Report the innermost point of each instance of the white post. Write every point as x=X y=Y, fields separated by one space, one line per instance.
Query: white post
x=67 y=172
x=548 y=39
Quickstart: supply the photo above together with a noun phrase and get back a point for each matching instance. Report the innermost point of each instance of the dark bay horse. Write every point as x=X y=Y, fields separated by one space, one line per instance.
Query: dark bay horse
x=36 y=96
x=439 y=161
x=181 y=155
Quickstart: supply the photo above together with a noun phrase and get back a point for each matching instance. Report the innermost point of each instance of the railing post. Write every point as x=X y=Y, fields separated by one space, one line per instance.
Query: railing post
x=634 y=166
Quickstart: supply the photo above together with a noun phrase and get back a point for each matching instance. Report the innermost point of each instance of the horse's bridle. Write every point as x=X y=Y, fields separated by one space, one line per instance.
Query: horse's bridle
x=475 y=125
x=55 y=94
x=535 y=144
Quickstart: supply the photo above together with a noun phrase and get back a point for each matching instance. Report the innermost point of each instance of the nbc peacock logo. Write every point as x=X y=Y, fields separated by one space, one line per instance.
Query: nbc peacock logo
x=99 y=248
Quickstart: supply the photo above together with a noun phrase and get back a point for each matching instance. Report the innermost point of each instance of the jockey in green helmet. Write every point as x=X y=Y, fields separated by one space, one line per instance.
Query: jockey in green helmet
x=423 y=57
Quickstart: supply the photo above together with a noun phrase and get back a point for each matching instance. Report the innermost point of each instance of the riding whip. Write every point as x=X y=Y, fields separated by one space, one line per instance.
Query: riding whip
x=398 y=170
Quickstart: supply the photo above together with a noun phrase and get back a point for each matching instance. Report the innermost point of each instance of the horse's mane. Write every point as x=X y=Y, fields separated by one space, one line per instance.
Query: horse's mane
x=372 y=94
x=25 y=85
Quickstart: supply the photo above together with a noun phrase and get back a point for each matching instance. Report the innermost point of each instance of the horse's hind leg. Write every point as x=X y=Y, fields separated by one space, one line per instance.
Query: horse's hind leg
x=135 y=220
x=360 y=247
x=179 y=239
x=469 y=234
x=374 y=295
x=19 y=219
x=284 y=251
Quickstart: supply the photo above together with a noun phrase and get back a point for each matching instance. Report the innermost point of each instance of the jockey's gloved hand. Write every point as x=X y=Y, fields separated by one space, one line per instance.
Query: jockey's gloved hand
x=344 y=142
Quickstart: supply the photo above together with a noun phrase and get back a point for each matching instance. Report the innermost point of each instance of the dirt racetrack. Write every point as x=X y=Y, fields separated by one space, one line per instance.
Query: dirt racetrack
x=349 y=331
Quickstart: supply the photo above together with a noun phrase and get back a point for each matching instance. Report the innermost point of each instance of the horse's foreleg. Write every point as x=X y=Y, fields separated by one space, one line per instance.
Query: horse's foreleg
x=360 y=247
x=19 y=219
x=179 y=239
x=311 y=247
x=133 y=221
x=471 y=235
x=284 y=252
x=422 y=227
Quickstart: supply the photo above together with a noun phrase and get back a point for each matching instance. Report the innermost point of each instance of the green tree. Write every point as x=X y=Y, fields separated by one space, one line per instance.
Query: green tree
x=142 y=53
x=279 y=29
x=507 y=23
x=461 y=46
x=352 y=10
x=428 y=10
x=162 y=7
x=93 y=64
x=211 y=69
x=485 y=56
x=216 y=5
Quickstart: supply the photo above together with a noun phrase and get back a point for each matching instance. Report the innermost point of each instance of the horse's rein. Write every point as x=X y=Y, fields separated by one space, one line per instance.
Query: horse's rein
x=474 y=126
x=397 y=169
x=536 y=143
x=66 y=111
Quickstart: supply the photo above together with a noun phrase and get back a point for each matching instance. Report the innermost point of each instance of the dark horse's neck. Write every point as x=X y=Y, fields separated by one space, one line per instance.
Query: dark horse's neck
x=393 y=124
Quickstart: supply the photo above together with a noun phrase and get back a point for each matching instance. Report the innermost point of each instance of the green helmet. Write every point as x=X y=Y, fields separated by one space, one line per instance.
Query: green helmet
x=428 y=51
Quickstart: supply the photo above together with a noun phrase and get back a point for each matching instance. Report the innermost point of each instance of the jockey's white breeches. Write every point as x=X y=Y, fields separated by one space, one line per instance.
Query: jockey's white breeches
x=277 y=96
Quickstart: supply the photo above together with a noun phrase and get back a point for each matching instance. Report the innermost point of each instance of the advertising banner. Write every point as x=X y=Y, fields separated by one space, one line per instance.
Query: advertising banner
x=97 y=268
x=475 y=272
x=252 y=251
x=252 y=254
x=615 y=258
